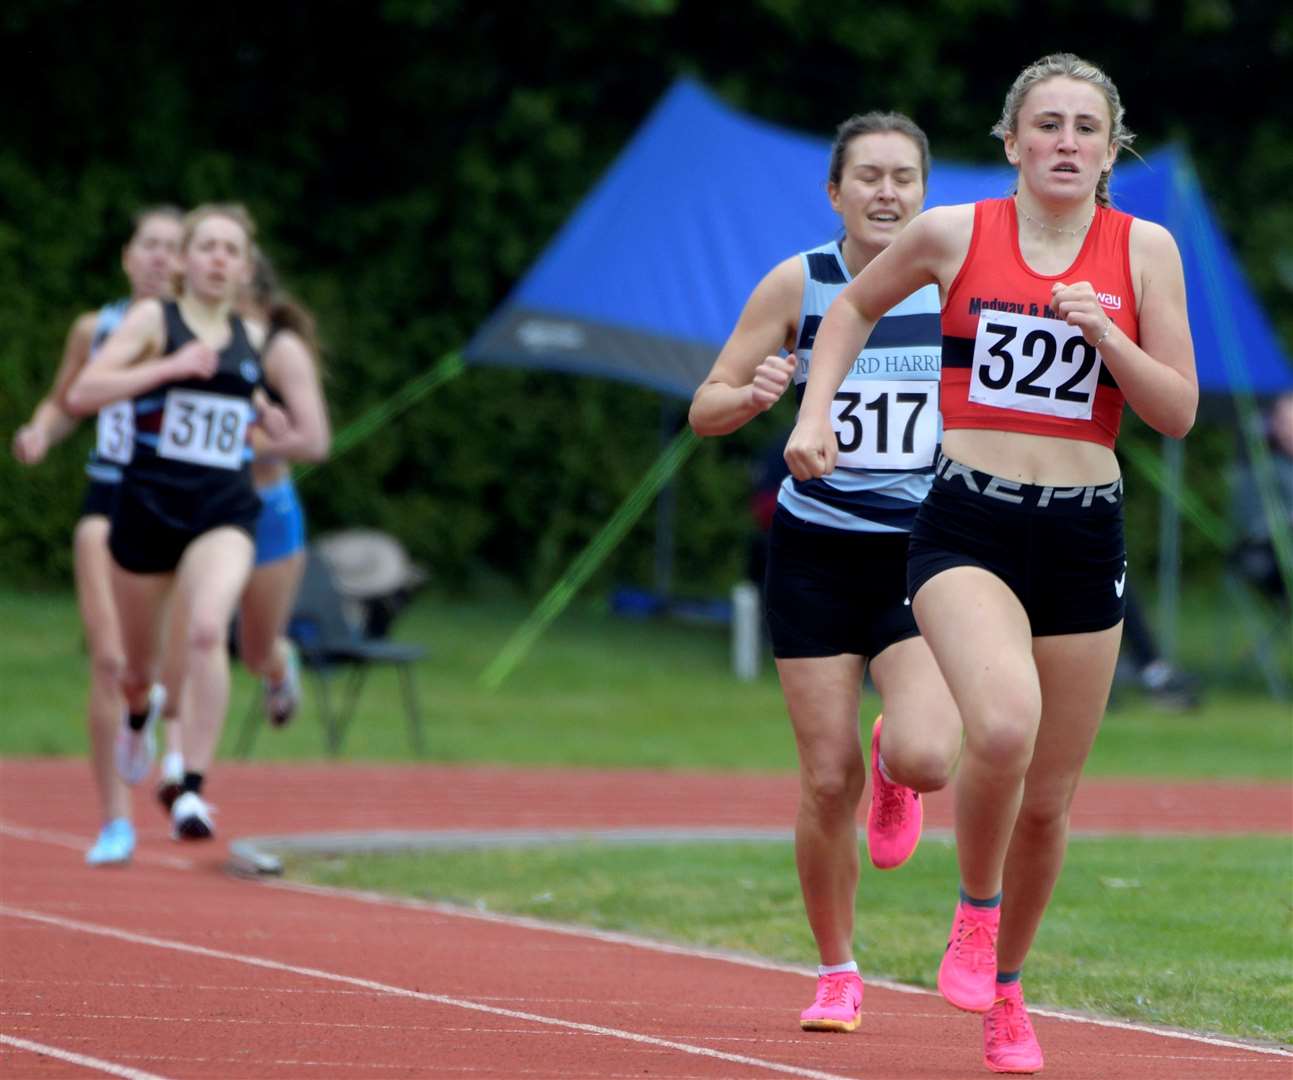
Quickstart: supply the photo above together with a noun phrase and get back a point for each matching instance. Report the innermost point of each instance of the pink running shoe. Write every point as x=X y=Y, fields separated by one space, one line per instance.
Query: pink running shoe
x=1009 y=1043
x=967 y=976
x=837 y=1006
x=894 y=817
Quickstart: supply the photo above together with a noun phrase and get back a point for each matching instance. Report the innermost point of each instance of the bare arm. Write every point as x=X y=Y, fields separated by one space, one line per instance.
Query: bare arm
x=50 y=424
x=1157 y=376
x=128 y=363
x=748 y=378
x=921 y=255
x=291 y=369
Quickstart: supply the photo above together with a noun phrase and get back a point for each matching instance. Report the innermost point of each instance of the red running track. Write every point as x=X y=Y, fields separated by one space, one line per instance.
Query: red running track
x=173 y=968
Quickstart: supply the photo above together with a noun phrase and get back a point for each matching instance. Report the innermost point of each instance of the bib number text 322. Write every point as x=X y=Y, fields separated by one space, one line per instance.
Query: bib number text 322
x=1035 y=365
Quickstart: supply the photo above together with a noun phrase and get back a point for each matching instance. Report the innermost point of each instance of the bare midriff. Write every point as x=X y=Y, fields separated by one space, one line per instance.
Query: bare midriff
x=1032 y=459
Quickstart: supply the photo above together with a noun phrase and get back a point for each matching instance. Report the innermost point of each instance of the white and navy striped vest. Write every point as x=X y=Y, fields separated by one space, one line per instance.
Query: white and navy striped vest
x=885 y=414
x=110 y=315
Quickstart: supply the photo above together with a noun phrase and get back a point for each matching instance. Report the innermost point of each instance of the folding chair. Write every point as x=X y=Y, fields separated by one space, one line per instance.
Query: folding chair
x=328 y=642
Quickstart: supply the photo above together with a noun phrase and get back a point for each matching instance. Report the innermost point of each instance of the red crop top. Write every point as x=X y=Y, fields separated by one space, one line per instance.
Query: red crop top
x=1009 y=362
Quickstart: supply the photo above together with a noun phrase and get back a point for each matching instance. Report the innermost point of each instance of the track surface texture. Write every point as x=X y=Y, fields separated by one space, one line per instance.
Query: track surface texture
x=173 y=967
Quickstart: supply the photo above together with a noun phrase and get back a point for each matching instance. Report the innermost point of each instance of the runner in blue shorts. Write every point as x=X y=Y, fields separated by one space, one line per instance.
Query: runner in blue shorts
x=292 y=372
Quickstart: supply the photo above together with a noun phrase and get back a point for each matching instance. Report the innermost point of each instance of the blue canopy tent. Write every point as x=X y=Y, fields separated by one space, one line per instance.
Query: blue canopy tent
x=647 y=277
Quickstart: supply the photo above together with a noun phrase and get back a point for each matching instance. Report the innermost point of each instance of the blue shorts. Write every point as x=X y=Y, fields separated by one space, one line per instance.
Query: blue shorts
x=280 y=529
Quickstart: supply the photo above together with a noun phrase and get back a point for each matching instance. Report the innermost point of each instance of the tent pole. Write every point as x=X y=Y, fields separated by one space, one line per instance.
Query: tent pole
x=448 y=367
x=666 y=509
x=587 y=561
x=1169 y=546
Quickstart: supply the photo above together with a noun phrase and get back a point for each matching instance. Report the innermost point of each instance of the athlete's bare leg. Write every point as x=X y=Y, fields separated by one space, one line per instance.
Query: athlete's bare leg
x=1076 y=672
x=141 y=604
x=993 y=679
x=266 y=606
x=93 y=567
x=921 y=735
x=822 y=694
x=211 y=576
x=174 y=658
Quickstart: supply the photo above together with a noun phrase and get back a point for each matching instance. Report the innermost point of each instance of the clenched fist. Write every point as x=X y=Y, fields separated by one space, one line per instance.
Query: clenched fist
x=771 y=378
x=812 y=448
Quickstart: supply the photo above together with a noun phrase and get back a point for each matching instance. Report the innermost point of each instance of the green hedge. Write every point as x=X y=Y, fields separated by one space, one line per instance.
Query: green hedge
x=408 y=161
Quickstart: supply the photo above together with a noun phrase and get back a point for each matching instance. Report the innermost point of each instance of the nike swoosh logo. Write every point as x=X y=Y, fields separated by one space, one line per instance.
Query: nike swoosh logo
x=1120 y=583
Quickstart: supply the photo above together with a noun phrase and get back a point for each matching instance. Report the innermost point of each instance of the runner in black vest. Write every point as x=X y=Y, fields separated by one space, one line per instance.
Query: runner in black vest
x=289 y=354
x=186 y=514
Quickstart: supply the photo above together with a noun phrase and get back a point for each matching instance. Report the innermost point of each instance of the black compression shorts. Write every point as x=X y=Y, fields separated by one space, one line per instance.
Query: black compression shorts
x=830 y=592
x=151 y=528
x=1060 y=550
x=99 y=499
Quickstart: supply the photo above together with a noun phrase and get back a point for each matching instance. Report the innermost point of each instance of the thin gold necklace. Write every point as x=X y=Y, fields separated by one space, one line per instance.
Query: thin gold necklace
x=1055 y=228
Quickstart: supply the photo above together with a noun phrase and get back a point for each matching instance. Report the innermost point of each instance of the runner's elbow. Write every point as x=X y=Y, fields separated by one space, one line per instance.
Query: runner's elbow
x=1176 y=423
x=76 y=402
x=704 y=421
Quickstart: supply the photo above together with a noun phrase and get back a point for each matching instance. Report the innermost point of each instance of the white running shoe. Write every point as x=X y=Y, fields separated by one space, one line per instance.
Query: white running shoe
x=283 y=699
x=135 y=750
x=191 y=818
x=171 y=786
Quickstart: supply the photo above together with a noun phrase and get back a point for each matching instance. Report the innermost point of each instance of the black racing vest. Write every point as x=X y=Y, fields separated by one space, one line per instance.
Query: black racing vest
x=191 y=435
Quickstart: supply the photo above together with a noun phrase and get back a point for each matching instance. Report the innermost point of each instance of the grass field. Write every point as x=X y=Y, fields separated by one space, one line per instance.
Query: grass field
x=603 y=690
x=1193 y=933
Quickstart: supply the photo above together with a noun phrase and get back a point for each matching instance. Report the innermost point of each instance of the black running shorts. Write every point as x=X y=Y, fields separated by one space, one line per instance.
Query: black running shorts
x=151 y=528
x=99 y=499
x=1060 y=550
x=830 y=592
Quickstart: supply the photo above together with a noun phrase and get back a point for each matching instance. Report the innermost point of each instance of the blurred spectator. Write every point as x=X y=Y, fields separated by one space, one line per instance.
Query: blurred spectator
x=1255 y=555
x=1167 y=685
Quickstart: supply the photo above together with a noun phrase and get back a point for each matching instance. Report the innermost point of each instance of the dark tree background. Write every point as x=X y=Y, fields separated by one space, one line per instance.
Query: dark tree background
x=406 y=161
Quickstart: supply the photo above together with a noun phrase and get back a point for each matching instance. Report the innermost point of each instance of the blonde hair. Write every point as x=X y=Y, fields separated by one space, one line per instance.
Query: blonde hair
x=235 y=212
x=1067 y=66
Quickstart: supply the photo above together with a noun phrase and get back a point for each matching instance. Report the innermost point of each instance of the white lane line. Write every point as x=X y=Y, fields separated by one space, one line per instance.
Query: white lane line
x=81 y=843
x=418 y=995
x=348 y=1068
x=526 y=922
x=109 y=1067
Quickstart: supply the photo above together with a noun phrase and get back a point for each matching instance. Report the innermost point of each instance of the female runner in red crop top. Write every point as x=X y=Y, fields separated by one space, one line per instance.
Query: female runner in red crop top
x=1056 y=309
